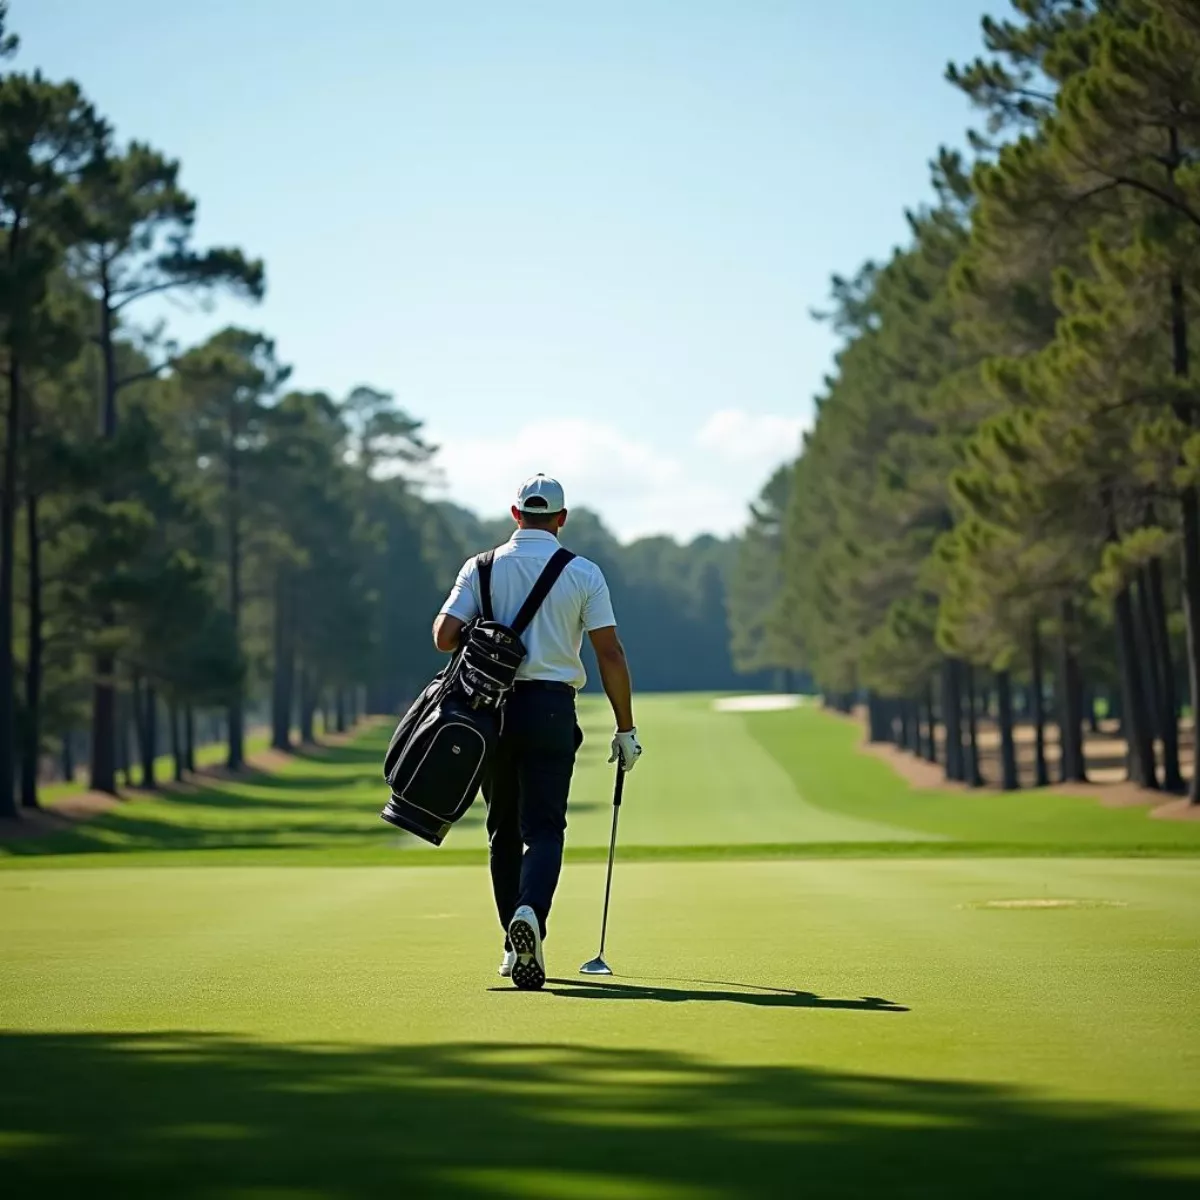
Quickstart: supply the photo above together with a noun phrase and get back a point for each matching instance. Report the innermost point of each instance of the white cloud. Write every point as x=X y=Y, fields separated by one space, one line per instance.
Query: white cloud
x=739 y=436
x=589 y=457
x=702 y=484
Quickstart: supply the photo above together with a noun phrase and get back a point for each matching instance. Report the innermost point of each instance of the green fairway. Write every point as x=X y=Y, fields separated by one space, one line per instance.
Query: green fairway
x=716 y=784
x=262 y=991
x=335 y=1031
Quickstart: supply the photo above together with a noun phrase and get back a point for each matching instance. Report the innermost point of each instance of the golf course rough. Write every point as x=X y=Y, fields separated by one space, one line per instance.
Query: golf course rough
x=257 y=992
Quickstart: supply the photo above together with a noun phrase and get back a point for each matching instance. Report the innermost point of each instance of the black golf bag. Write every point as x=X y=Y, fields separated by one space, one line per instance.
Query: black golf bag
x=436 y=760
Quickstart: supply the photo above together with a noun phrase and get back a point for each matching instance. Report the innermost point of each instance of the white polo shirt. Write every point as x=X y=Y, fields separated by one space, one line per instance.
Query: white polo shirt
x=578 y=603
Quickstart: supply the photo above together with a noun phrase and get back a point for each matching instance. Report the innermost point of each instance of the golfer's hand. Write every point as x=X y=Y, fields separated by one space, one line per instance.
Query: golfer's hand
x=626 y=748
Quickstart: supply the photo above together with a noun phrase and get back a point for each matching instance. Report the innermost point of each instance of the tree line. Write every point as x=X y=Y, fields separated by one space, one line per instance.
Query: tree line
x=180 y=532
x=997 y=509
x=189 y=546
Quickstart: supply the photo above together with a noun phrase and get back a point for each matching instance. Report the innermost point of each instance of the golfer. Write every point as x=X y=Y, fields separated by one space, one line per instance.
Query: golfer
x=530 y=776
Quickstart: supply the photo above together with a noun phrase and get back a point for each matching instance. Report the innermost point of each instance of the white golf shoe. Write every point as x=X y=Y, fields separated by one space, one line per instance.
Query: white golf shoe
x=529 y=971
x=507 y=963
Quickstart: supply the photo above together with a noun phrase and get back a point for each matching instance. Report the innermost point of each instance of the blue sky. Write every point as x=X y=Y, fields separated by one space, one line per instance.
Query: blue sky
x=579 y=239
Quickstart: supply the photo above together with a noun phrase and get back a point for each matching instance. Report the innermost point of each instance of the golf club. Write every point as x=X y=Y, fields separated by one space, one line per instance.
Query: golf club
x=597 y=965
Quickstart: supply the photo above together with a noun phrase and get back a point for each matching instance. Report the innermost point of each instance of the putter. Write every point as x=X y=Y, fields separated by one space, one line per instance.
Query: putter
x=597 y=965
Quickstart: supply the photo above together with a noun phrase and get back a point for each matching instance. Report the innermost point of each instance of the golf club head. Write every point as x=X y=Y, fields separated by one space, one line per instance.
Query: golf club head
x=597 y=966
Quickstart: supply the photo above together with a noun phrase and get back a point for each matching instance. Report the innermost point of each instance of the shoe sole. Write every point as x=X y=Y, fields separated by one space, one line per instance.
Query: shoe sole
x=527 y=972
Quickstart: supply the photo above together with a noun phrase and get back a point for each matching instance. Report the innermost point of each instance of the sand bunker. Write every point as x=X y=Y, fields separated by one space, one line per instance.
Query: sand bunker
x=1043 y=902
x=756 y=703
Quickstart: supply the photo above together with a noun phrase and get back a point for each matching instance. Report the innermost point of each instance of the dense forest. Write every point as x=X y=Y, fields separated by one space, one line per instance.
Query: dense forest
x=190 y=548
x=997 y=509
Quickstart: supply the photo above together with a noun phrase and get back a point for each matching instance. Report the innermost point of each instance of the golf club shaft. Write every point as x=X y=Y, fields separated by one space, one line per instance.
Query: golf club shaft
x=612 y=852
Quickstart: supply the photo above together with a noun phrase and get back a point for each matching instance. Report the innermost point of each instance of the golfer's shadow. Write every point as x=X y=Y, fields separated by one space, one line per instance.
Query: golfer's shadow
x=711 y=991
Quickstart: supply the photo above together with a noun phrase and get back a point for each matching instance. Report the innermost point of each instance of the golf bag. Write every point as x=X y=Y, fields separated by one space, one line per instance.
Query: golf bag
x=437 y=757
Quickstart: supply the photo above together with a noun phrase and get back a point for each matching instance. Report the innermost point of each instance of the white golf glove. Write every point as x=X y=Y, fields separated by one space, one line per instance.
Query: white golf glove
x=626 y=747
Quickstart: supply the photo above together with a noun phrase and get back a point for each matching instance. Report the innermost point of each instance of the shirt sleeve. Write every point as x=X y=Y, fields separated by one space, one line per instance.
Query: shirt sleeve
x=597 y=606
x=463 y=601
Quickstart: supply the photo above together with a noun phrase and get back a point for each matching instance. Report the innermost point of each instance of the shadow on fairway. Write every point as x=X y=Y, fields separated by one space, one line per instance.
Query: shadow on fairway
x=368 y=751
x=215 y=819
x=719 y=993
x=193 y=1115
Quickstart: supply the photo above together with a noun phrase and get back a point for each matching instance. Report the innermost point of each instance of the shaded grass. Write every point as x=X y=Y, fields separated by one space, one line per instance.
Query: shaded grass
x=191 y=1115
x=210 y=755
x=863 y=1027
x=820 y=754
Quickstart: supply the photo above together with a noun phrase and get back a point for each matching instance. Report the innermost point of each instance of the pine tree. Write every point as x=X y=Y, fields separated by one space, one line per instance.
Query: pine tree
x=137 y=243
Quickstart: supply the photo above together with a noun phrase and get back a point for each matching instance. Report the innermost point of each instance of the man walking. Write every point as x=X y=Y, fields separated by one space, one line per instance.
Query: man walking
x=530 y=776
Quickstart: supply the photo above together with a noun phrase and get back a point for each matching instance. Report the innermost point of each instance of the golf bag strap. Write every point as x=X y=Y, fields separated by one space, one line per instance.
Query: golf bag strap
x=546 y=580
x=484 y=565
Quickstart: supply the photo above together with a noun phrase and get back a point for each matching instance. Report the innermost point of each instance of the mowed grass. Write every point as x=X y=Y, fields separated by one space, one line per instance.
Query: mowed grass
x=712 y=785
x=209 y=755
x=265 y=993
x=867 y=1026
x=820 y=756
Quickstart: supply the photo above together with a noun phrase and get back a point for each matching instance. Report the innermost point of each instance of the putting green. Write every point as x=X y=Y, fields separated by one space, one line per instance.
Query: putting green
x=340 y=1031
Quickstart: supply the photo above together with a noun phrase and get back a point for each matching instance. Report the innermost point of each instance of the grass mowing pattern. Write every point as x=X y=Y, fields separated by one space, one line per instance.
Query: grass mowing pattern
x=819 y=754
x=713 y=786
x=865 y=1026
x=254 y=1017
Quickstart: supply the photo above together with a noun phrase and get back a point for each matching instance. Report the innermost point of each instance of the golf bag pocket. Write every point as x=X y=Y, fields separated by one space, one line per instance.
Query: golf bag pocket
x=438 y=764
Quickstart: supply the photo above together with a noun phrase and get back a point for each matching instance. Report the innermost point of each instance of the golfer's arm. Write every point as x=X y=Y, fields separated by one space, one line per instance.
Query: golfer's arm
x=614 y=674
x=446 y=630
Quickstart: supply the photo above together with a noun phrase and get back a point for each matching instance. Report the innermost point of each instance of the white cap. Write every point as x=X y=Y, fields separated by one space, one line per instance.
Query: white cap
x=541 y=494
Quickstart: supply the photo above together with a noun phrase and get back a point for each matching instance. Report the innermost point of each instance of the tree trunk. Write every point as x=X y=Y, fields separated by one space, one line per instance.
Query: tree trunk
x=236 y=716
x=952 y=718
x=1009 y=779
x=339 y=700
x=104 y=702
x=1189 y=504
x=1069 y=685
x=176 y=742
x=973 y=774
x=103 y=766
x=879 y=725
x=1138 y=725
x=1037 y=696
x=1154 y=599
x=930 y=726
x=1147 y=658
x=308 y=706
x=189 y=739
x=68 y=757
x=137 y=702
x=32 y=750
x=120 y=739
x=284 y=669
x=8 y=546
x=150 y=743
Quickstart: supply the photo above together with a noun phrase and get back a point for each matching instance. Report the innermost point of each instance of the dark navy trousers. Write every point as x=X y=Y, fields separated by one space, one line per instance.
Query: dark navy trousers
x=526 y=792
